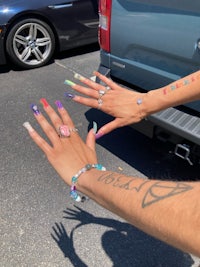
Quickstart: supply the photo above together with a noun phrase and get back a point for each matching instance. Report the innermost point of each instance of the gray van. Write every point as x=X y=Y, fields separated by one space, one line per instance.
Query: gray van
x=147 y=44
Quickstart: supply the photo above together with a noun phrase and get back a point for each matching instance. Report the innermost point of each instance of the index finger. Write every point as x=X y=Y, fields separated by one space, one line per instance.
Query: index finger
x=107 y=81
x=94 y=85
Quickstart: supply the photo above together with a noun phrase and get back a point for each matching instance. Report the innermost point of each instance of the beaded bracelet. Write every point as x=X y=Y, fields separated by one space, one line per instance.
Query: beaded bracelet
x=73 y=191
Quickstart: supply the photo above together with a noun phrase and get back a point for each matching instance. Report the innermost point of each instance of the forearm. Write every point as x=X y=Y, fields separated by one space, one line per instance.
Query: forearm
x=179 y=92
x=166 y=210
x=157 y=207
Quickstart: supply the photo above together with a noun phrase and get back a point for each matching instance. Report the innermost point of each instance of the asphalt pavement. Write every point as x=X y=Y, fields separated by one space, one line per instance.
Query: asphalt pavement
x=40 y=224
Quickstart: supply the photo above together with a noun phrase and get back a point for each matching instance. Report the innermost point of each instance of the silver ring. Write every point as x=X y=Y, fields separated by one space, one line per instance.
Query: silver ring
x=101 y=93
x=108 y=88
x=100 y=102
x=73 y=129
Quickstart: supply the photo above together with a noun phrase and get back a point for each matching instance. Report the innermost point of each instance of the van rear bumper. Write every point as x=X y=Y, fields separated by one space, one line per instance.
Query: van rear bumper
x=179 y=123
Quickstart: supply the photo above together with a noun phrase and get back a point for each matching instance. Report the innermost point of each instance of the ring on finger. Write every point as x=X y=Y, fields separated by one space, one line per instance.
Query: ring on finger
x=108 y=88
x=63 y=131
x=73 y=129
x=101 y=93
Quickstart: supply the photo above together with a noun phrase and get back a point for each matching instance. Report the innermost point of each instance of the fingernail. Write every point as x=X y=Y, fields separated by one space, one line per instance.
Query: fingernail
x=58 y=104
x=68 y=82
x=98 y=135
x=78 y=76
x=28 y=126
x=69 y=95
x=44 y=102
x=35 y=109
x=94 y=127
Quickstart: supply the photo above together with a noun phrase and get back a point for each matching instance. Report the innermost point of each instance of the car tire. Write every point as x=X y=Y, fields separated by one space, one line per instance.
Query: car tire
x=30 y=43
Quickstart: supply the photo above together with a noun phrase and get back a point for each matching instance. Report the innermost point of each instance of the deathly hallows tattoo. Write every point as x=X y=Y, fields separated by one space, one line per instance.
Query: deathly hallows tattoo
x=156 y=192
x=169 y=189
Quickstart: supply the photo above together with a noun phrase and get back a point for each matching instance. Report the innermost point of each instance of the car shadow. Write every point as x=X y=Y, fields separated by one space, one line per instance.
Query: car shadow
x=78 y=51
x=5 y=68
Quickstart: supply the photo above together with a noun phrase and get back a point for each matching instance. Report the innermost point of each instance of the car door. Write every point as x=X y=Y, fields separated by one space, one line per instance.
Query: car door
x=76 y=21
x=154 y=42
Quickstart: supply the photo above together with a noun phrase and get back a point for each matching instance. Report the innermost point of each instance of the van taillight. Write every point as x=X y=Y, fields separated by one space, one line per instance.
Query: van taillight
x=104 y=24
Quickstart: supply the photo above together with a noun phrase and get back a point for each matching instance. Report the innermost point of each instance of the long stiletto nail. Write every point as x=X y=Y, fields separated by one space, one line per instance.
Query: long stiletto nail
x=69 y=95
x=28 y=127
x=58 y=104
x=44 y=102
x=35 y=109
x=68 y=82
x=78 y=76
x=94 y=127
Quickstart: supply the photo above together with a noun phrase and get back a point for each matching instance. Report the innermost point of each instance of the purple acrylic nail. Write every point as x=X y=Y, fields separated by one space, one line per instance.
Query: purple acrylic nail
x=69 y=95
x=58 y=104
x=35 y=109
x=98 y=135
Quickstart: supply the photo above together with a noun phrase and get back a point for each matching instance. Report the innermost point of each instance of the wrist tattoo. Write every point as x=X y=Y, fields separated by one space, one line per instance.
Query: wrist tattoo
x=153 y=193
x=180 y=83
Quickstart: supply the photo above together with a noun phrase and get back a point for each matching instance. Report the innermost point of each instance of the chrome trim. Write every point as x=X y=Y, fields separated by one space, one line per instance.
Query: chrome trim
x=117 y=64
x=61 y=6
x=88 y=24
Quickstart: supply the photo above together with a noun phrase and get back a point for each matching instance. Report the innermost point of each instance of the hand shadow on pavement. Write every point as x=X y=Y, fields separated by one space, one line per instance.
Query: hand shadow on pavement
x=124 y=244
x=65 y=243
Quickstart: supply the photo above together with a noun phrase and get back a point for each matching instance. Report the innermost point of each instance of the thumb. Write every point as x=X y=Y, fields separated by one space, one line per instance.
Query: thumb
x=109 y=127
x=90 y=139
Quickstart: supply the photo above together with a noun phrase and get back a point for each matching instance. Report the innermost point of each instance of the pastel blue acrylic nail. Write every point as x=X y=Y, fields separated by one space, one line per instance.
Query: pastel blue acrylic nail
x=94 y=127
x=35 y=109
x=58 y=104
x=69 y=95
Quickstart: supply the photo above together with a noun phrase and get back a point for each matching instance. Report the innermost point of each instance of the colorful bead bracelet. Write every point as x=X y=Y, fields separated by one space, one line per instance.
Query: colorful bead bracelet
x=73 y=191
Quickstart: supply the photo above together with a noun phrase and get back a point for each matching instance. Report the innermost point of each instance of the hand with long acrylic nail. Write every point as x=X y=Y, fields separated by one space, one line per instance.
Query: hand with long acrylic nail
x=66 y=153
x=126 y=106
